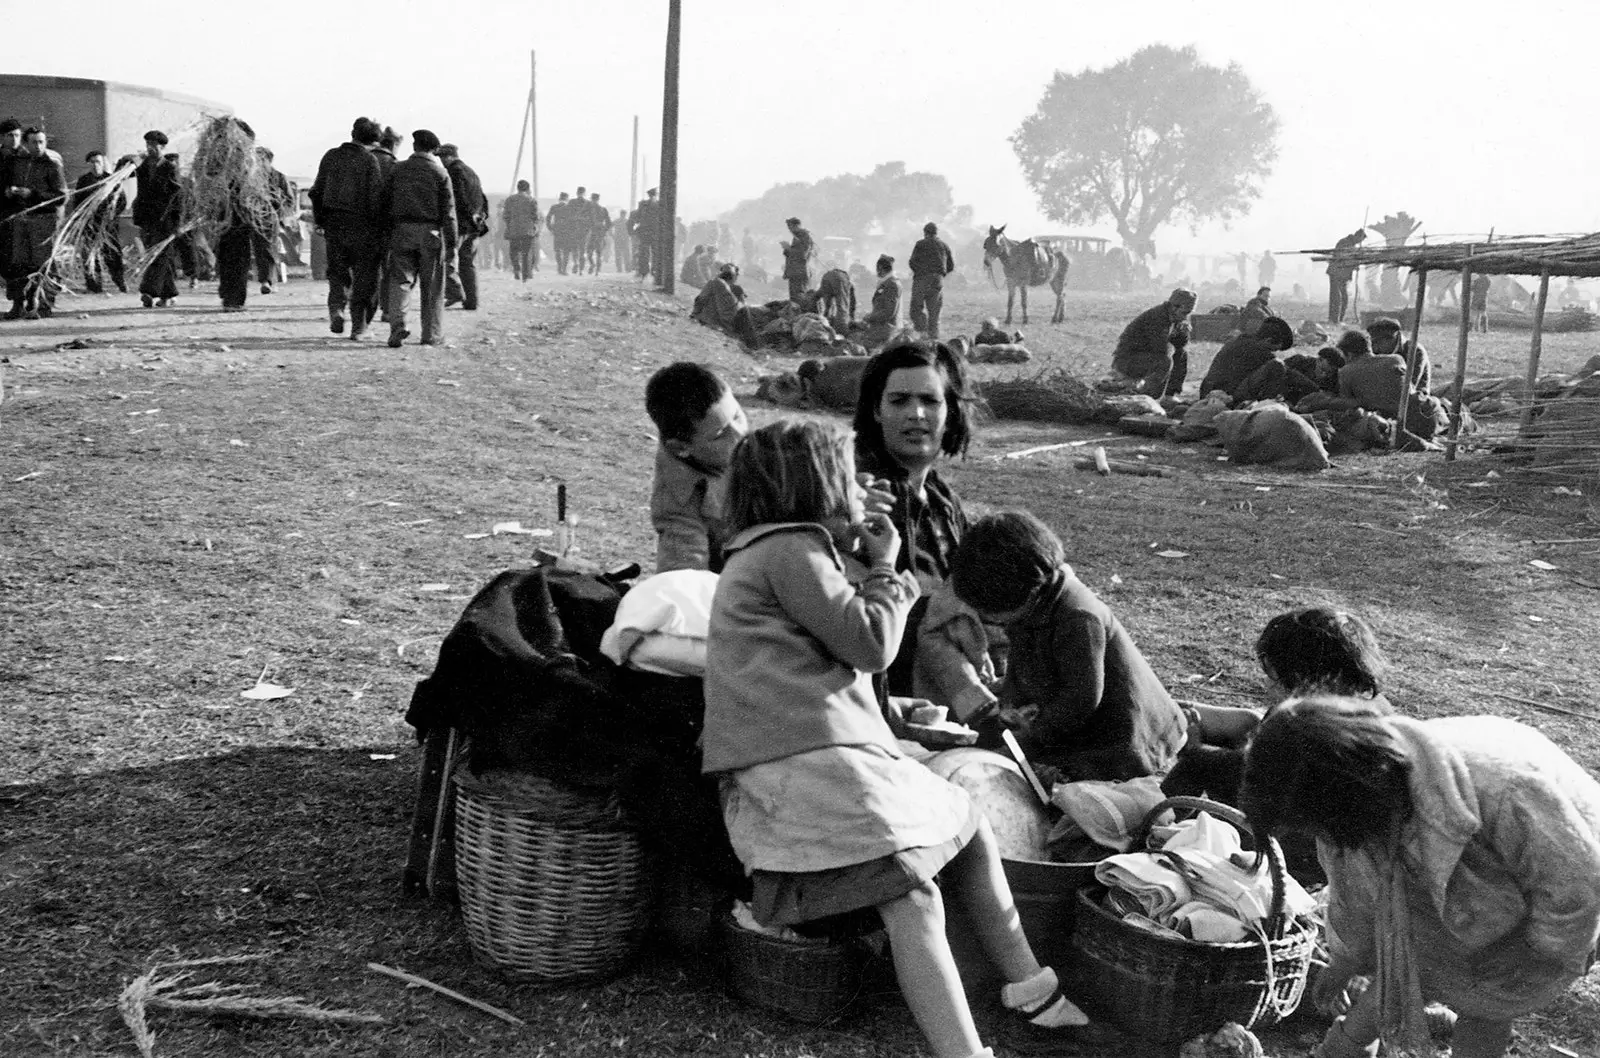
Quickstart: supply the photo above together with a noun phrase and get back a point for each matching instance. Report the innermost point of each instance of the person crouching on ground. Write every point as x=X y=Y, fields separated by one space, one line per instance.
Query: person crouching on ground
x=1152 y=355
x=1247 y=367
x=1463 y=862
x=1099 y=711
x=823 y=808
x=699 y=421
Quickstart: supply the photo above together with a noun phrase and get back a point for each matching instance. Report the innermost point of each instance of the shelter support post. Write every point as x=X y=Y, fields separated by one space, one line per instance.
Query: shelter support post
x=1535 y=349
x=1411 y=359
x=1461 y=358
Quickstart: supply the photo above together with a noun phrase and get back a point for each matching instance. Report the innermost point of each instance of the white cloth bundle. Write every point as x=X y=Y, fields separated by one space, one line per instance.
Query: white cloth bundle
x=662 y=622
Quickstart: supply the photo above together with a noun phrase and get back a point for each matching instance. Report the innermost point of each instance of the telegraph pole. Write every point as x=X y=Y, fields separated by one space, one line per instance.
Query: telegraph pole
x=633 y=167
x=529 y=123
x=666 y=231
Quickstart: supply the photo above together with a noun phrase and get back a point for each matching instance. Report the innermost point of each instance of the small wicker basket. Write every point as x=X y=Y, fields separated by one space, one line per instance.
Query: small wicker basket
x=811 y=981
x=554 y=887
x=1169 y=990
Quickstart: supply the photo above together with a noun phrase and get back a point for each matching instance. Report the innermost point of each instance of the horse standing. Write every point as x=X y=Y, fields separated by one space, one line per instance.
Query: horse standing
x=1027 y=264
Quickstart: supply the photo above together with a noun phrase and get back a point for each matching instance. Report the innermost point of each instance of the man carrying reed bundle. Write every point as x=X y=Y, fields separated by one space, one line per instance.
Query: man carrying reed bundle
x=420 y=210
x=344 y=204
x=103 y=244
x=156 y=212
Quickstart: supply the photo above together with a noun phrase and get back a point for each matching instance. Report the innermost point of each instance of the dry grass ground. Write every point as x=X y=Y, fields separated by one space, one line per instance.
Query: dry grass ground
x=193 y=501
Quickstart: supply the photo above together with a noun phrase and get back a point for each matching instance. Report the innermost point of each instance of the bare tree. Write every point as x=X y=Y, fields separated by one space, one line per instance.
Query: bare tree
x=1156 y=138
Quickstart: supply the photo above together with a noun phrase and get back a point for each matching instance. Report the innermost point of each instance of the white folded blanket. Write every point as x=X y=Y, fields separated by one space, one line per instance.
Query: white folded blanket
x=662 y=622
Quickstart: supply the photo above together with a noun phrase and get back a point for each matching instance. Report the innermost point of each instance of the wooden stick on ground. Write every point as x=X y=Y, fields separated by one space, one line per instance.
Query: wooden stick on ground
x=476 y=1004
x=1546 y=705
x=1119 y=466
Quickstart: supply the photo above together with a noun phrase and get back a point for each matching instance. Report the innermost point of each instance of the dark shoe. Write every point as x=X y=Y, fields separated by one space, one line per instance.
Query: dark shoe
x=146 y=300
x=469 y=308
x=397 y=337
x=122 y=287
x=336 y=325
x=233 y=308
x=451 y=301
x=356 y=335
x=266 y=288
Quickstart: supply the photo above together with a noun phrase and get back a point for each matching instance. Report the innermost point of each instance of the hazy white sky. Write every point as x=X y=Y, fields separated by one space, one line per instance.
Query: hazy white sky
x=1385 y=105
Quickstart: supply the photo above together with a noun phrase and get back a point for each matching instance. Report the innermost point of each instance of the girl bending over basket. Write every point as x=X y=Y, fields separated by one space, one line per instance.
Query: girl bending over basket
x=823 y=808
x=1463 y=861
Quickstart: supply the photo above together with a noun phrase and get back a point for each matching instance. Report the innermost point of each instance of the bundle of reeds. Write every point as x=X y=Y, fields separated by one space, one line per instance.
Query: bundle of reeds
x=230 y=185
x=88 y=225
x=162 y=988
x=1048 y=396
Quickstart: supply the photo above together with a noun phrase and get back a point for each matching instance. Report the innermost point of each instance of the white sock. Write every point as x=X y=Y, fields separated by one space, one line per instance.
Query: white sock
x=1025 y=995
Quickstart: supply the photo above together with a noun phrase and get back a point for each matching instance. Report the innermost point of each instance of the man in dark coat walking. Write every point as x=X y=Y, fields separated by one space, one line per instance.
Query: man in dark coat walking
x=156 y=213
x=420 y=211
x=472 y=221
x=344 y=204
x=930 y=262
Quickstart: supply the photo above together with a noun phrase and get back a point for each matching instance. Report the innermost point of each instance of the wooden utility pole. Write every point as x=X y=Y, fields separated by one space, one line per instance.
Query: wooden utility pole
x=1461 y=357
x=530 y=123
x=533 y=118
x=633 y=167
x=666 y=229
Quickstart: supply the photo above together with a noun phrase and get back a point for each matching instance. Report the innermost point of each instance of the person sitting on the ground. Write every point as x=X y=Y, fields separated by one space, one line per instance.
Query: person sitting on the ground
x=1387 y=338
x=1462 y=856
x=1101 y=711
x=989 y=333
x=1247 y=366
x=699 y=422
x=1257 y=311
x=1152 y=355
x=884 y=320
x=720 y=305
x=1369 y=381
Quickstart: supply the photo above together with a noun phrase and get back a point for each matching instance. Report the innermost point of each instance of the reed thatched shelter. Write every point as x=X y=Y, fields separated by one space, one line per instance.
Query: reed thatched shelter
x=1530 y=255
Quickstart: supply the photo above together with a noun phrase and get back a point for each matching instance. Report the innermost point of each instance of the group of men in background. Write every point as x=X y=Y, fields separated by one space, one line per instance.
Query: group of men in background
x=393 y=225
x=35 y=200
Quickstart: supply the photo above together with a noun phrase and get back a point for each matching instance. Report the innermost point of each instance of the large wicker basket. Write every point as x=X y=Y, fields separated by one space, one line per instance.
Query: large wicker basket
x=1168 y=990
x=811 y=981
x=554 y=888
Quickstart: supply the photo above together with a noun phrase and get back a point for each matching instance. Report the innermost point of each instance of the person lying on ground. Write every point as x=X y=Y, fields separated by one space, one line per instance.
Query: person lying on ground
x=1098 y=709
x=824 y=809
x=989 y=333
x=1463 y=863
x=699 y=422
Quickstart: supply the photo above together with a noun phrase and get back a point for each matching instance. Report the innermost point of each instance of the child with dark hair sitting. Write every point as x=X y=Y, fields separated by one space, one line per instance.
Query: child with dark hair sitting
x=1318 y=650
x=1098 y=711
x=699 y=421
